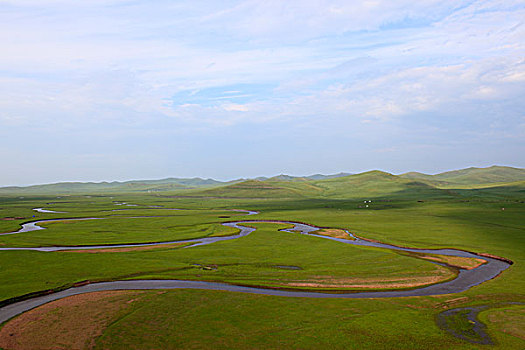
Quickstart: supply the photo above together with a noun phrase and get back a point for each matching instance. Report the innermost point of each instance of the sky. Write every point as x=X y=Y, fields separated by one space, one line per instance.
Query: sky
x=120 y=89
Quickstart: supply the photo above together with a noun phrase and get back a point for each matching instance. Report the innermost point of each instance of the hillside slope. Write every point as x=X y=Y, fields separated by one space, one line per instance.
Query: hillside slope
x=376 y=184
x=471 y=176
x=372 y=184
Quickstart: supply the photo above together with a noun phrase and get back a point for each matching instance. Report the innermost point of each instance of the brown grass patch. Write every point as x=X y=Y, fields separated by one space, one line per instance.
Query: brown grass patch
x=334 y=232
x=70 y=323
x=440 y=274
x=127 y=249
x=451 y=302
x=510 y=321
x=496 y=257
x=464 y=263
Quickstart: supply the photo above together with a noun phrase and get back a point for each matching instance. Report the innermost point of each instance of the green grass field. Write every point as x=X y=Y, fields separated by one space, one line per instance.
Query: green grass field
x=400 y=212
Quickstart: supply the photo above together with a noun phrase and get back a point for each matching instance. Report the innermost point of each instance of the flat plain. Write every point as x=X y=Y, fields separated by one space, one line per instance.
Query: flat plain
x=483 y=213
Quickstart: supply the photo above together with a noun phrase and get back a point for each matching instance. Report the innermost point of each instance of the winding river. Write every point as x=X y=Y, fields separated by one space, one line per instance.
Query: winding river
x=465 y=279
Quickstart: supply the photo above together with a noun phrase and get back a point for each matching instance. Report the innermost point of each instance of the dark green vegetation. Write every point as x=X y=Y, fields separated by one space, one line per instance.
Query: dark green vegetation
x=402 y=211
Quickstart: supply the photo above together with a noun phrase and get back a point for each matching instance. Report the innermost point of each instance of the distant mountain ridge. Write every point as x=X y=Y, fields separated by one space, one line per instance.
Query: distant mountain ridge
x=325 y=177
x=133 y=185
x=284 y=177
x=166 y=184
x=341 y=185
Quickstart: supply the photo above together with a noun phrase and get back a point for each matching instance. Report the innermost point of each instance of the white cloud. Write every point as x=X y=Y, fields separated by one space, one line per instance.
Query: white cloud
x=233 y=107
x=338 y=66
x=425 y=66
x=293 y=20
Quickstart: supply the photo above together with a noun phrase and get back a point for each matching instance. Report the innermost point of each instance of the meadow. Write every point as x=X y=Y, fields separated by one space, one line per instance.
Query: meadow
x=487 y=219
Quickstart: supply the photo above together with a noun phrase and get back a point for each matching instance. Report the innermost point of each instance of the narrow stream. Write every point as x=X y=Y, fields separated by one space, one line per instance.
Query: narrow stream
x=465 y=279
x=470 y=327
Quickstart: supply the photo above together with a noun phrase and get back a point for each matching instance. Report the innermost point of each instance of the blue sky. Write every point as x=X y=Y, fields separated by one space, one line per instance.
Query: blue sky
x=114 y=90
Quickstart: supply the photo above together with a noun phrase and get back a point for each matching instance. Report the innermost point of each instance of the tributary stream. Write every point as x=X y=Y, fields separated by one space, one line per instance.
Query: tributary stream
x=465 y=279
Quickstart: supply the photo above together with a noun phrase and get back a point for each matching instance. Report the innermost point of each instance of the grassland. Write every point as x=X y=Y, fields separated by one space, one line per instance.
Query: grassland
x=131 y=226
x=400 y=212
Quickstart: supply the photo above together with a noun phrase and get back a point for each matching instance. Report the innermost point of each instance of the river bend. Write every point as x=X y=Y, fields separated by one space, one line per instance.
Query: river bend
x=465 y=279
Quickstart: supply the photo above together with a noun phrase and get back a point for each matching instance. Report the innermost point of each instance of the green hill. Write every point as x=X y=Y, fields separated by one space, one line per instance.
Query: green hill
x=470 y=176
x=376 y=184
x=271 y=188
x=372 y=184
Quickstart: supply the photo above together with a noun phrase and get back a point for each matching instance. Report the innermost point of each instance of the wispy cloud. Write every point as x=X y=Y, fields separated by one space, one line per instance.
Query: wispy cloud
x=394 y=70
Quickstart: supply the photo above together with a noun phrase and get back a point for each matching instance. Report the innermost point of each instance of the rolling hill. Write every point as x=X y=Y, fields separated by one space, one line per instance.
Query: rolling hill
x=470 y=176
x=371 y=184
